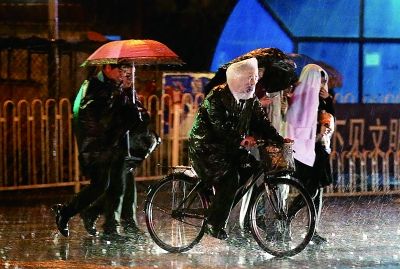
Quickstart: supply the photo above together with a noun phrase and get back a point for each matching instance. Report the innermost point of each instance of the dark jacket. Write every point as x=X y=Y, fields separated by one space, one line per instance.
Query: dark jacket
x=219 y=127
x=105 y=114
x=327 y=105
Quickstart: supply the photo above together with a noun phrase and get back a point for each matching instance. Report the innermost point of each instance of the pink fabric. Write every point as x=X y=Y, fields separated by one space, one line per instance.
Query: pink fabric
x=302 y=115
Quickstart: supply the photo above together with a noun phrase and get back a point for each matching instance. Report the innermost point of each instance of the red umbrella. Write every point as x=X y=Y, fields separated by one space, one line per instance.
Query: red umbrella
x=136 y=51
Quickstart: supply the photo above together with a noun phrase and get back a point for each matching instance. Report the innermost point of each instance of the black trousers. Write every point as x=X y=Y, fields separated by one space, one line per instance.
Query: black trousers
x=311 y=181
x=105 y=181
x=129 y=204
x=306 y=174
x=225 y=190
x=127 y=208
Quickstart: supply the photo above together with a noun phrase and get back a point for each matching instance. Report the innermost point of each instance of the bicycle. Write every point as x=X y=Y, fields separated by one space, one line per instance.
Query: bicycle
x=282 y=213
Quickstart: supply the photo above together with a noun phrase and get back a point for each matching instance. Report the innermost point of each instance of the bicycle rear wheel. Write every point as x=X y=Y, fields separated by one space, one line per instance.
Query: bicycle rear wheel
x=174 y=226
x=282 y=217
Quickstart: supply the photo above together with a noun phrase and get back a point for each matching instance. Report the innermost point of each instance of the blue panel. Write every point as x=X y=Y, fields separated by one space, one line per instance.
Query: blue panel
x=382 y=18
x=381 y=73
x=321 y=18
x=113 y=37
x=248 y=27
x=344 y=58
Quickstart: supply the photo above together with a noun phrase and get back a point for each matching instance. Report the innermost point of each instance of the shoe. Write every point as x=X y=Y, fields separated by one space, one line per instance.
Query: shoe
x=112 y=237
x=318 y=240
x=131 y=228
x=111 y=233
x=245 y=231
x=111 y=229
x=61 y=220
x=89 y=222
x=218 y=233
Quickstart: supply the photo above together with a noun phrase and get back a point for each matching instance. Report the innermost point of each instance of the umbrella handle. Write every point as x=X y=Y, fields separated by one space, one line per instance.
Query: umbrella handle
x=133 y=95
x=128 y=144
x=134 y=101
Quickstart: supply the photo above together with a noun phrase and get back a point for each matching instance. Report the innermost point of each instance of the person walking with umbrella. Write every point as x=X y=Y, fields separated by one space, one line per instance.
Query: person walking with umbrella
x=102 y=116
x=140 y=143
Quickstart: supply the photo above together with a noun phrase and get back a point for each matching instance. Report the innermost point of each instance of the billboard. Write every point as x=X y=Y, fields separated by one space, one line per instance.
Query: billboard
x=177 y=84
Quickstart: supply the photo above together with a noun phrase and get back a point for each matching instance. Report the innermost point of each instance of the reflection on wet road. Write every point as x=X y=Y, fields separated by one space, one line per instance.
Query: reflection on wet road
x=362 y=232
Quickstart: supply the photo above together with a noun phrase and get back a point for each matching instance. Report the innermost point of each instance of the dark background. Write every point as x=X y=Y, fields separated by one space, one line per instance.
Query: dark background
x=191 y=28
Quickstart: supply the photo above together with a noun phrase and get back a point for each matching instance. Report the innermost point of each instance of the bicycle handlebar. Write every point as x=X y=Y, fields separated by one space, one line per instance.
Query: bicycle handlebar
x=263 y=142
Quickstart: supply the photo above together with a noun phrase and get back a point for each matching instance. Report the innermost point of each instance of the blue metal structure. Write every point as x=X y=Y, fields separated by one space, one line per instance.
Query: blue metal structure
x=360 y=38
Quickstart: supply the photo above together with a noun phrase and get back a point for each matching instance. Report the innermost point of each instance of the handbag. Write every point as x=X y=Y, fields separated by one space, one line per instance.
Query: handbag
x=142 y=144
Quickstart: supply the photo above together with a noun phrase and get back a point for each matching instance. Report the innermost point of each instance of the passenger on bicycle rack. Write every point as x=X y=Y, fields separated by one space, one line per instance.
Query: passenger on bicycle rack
x=225 y=125
x=312 y=139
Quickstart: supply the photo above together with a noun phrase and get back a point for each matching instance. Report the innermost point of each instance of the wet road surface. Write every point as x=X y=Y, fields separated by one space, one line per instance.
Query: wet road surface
x=363 y=232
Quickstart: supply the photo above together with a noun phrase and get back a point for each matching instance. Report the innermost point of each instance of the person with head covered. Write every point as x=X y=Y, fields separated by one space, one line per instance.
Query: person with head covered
x=311 y=128
x=228 y=118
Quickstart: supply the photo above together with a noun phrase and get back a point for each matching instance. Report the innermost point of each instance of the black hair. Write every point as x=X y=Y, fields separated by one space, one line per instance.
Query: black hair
x=121 y=64
x=114 y=66
x=278 y=76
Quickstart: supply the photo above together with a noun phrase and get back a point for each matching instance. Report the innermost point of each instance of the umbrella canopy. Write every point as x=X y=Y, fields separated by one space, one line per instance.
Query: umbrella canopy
x=278 y=75
x=301 y=60
x=136 y=51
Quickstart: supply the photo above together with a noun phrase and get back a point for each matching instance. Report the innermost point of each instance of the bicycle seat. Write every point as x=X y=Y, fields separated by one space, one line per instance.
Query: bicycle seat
x=187 y=170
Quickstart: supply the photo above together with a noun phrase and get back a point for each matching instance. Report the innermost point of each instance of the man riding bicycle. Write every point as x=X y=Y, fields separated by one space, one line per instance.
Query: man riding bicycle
x=230 y=117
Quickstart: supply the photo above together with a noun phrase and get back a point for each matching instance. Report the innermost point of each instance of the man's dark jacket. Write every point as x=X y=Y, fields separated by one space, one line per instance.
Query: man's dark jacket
x=220 y=125
x=102 y=115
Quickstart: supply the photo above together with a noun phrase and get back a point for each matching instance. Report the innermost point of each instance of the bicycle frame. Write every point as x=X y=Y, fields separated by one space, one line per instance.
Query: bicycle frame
x=260 y=173
x=181 y=212
x=181 y=223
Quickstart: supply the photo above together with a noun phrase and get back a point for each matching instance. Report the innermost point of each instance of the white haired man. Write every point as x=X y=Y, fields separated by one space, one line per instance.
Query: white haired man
x=226 y=120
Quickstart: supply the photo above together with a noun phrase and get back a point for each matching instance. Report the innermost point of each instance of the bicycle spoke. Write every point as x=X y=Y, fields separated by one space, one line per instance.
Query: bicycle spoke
x=178 y=224
x=272 y=226
x=162 y=209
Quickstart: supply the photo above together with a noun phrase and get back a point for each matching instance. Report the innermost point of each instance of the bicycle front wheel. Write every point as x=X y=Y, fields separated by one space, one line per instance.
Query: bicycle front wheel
x=282 y=217
x=174 y=225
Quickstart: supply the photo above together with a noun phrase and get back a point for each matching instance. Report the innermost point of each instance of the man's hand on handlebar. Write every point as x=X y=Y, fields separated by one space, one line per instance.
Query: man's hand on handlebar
x=288 y=140
x=248 y=142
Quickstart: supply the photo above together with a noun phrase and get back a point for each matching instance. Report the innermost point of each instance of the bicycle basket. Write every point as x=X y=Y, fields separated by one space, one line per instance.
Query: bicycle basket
x=279 y=158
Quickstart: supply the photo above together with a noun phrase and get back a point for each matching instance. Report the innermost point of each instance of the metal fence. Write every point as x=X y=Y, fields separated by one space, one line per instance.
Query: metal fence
x=38 y=150
x=37 y=145
x=365 y=172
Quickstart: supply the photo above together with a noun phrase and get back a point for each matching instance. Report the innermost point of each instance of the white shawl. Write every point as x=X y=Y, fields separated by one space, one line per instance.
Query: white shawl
x=302 y=115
